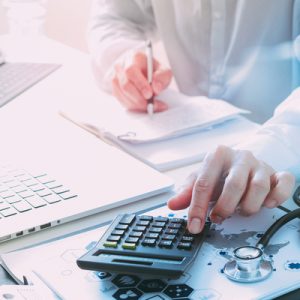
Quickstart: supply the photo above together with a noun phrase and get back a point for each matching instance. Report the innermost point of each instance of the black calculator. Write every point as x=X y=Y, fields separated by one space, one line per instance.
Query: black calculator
x=145 y=244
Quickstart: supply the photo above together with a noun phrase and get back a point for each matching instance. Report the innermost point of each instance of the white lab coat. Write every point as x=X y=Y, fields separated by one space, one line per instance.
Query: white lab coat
x=237 y=50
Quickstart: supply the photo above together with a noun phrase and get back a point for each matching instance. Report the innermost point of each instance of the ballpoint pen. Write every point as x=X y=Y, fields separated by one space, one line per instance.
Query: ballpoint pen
x=149 y=55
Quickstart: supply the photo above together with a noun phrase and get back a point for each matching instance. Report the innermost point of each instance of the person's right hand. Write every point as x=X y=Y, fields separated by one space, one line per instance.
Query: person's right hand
x=130 y=85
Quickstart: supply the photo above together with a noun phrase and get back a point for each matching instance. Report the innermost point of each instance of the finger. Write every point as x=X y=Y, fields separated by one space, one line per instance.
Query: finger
x=283 y=184
x=161 y=80
x=184 y=194
x=204 y=186
x=131 y=92
x=258 y=188
x=233 y=190
x=116 y=90
x=140 y=59
x=160 y=106
x=135 y=75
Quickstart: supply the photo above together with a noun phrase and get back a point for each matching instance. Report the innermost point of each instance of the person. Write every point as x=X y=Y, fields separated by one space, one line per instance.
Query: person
x=239 y=51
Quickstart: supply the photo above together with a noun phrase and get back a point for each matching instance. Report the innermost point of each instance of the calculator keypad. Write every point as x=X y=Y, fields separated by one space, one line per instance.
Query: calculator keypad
x=149 y=231
x=147 y=244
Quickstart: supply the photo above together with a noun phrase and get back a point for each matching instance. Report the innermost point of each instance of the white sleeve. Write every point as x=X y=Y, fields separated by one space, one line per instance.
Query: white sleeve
x=116 y=27
x=278 y=141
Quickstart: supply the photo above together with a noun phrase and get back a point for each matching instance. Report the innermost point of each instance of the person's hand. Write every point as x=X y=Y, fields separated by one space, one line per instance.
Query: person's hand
x=236 y=180
x=130 y=85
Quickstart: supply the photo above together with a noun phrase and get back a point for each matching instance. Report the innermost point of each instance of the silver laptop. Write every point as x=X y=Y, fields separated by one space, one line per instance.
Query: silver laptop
x=32 y=200
x=53 y=181
x=17 y=77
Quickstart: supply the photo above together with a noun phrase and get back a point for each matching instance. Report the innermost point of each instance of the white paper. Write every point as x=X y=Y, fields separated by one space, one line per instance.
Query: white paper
x=178 y=143
x=185 y=115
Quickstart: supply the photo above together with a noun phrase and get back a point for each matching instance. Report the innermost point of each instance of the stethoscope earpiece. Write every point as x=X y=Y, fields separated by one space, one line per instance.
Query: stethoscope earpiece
x=248 y=265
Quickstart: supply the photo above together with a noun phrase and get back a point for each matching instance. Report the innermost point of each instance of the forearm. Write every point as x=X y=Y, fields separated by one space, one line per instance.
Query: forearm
x=278 y=141
x=117 y=27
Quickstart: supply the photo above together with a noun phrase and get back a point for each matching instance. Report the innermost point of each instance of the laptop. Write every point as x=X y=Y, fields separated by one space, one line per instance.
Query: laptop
x=47 y=179
x=85 y=177
x=17 y=77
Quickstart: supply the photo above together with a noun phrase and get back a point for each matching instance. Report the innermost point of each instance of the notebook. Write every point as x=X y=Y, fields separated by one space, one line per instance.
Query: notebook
x=179 y=136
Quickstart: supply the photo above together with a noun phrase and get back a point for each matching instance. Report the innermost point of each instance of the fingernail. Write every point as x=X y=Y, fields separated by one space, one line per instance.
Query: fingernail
x=195 y=226
x=216 y=219
x=147 y=94
x=271 y=204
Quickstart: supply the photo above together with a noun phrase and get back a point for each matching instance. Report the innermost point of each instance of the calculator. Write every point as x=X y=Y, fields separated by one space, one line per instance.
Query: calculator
x=145 y=244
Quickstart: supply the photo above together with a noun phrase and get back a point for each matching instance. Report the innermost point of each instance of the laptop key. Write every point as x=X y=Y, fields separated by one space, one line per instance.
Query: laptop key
x=30 y=182
x=7 y=194
x=36 y=201
x=14 y=199
x=26 y=194
x=22 y=206
x=67 y=195
x=44 y=192
x=53 y=185
x=8 y=212
x=19 y=188
x=37 y=187
x=4 y=205
x=52 y=198
x=60 y=190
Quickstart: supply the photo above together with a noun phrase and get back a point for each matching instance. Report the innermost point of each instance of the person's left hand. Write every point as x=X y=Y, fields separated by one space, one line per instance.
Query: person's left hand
x=235 y=179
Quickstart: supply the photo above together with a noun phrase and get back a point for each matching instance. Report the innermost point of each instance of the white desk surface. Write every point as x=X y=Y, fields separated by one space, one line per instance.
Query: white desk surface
x=40 y=104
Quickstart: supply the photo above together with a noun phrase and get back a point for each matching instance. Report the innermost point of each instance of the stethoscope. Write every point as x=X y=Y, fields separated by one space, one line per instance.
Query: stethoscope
x=249 y=263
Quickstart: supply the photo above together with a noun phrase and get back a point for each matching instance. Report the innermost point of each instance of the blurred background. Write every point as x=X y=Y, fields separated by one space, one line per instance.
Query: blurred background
x=65 y=21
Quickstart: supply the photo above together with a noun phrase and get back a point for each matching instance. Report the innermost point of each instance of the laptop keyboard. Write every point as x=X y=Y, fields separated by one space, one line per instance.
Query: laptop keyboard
x=21 y=192
x=15 y=78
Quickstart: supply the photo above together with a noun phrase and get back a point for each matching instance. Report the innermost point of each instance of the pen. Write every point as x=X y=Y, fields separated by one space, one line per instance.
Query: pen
x=149 y=55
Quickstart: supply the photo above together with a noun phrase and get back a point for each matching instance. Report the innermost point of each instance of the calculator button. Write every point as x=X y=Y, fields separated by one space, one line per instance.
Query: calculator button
x=114 y=238
x=165 y=244
x=139 y=228
x=129 y=246
x=149 y=242
x=146 y=218
x=161 y=219
x=177 y=220
x=137 y=234
x=118 y=232
x=121 y=227
x=142 y=223
x=152 y=236
x=133 y=240
x=110 y=244
x=155 y=229
x=174 y=226
x=127 y=220
x=171 y=231
x=184 y=246
x=158 y=224
x=187 y=239
x=169 y=237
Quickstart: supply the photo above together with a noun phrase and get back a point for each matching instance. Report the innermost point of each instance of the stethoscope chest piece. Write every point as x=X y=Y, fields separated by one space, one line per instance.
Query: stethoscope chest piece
x=248 y=265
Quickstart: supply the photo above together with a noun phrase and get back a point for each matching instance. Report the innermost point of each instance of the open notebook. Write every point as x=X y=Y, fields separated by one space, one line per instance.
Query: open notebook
x=181 y=135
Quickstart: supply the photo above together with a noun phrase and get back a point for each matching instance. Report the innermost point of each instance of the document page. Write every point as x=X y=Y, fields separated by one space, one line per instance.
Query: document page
x=185 y=115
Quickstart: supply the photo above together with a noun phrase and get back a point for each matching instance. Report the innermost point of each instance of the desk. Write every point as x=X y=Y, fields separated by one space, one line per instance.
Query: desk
x=46 y=98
